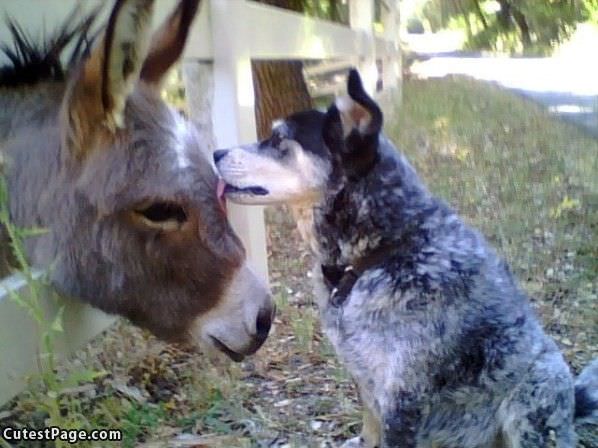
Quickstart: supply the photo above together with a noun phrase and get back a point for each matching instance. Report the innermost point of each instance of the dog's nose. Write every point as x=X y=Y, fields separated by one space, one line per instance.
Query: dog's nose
x=219 y=154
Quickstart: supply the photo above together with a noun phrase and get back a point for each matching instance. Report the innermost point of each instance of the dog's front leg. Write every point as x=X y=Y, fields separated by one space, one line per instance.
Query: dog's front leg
x=370 y=432
x=401 y=421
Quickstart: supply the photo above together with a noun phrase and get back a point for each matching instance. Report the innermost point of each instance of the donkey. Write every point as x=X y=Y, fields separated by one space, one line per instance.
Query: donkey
x=92 y=154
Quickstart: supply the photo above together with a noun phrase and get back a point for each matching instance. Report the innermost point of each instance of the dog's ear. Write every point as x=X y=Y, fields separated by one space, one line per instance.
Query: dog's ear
x=361 y=125
x=332 y=131
x=359 y=112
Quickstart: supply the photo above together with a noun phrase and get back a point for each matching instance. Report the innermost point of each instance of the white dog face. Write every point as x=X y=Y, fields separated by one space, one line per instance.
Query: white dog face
x=291 y=166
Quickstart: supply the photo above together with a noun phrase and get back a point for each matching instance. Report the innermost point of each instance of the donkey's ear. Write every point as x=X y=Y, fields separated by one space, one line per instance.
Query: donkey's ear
x=99 y=92
x=168 y=42
x=358 y=110
x=125 y=48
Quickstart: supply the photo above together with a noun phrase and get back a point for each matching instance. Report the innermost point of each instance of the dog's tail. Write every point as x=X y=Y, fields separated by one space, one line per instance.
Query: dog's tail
x=586 y=395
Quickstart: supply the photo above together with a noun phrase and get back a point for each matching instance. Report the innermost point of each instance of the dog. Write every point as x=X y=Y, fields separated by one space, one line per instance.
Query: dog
x=442 y=343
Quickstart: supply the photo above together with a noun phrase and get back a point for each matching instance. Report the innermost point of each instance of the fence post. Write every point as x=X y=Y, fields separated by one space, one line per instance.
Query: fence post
x=233 y=115
x=198 y=79
x=361 y=18
x=391 y=68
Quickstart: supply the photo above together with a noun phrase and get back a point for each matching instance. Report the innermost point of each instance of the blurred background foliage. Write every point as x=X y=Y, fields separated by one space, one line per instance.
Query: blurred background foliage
x=513 y=26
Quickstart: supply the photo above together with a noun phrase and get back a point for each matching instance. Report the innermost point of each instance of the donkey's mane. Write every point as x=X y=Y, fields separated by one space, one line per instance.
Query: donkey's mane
x=31 y=62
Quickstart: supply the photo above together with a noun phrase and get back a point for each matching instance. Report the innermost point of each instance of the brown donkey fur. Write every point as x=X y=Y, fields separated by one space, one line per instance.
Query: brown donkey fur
x=119 y=180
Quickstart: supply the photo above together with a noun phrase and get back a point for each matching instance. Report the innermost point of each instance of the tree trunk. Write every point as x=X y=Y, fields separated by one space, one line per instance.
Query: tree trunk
x=523 y=27
x=465 y=15
x=279 y=91
x=504 y=15
x=480 y=13
x=279 y=86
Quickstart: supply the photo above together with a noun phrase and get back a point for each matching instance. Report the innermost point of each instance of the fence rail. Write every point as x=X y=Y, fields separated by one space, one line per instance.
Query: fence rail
x=226 y=37
x=19 y=335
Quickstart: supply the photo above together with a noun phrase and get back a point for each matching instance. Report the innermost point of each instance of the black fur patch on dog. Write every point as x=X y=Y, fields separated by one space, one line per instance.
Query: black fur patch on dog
x=584 y=404
x=306 y=128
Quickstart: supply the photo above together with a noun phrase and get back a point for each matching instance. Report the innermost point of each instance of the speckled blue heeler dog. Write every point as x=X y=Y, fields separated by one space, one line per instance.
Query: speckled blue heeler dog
x=427 y=318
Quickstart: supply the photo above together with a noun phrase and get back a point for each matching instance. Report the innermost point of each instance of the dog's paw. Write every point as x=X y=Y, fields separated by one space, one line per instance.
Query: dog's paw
x=355 y=442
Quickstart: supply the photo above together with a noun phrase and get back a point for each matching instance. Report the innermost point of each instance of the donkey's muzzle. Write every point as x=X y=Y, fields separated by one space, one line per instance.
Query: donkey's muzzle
x=262 y=328
x=263 y=324
x=240 y=322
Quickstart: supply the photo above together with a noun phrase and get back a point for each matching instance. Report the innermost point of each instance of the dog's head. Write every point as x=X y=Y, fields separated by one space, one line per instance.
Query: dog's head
x=305 y=153
x=291 y=166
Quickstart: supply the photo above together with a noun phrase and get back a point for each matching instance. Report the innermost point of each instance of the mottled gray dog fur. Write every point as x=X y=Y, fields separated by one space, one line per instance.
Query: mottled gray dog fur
x=442 y=342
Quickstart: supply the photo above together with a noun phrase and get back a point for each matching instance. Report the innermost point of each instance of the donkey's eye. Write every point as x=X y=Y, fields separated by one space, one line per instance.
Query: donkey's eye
x=163 y=215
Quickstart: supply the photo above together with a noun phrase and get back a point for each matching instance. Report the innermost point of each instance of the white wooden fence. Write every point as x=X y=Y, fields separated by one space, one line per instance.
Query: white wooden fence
x=227 y=36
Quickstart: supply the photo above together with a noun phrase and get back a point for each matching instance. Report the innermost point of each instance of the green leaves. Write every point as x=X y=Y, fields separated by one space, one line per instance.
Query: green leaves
x=509 y=25
x=56 y=324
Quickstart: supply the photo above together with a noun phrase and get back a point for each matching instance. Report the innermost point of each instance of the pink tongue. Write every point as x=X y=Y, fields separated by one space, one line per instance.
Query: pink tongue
x=220 y=188
x=220 y=193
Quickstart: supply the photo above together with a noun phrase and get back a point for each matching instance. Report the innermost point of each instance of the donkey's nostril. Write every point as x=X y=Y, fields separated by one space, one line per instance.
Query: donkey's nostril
x=264 y=322
x=219 y=154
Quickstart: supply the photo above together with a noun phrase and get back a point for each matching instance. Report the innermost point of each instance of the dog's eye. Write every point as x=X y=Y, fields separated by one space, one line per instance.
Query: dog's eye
x=275 y=140
x=283 y=150
x=272 y=142
x=162 y=215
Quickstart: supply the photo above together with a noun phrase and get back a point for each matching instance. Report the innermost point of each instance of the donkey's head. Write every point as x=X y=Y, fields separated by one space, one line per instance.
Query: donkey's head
x=142 y=232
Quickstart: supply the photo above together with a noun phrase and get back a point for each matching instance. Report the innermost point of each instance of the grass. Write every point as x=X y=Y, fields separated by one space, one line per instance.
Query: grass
x=526 y=180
